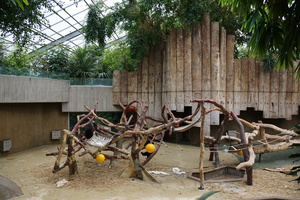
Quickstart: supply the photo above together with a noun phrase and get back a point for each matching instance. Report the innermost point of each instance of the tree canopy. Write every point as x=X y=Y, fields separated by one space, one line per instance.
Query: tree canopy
x=22 y=18
x=147 y=22
x=274 y=27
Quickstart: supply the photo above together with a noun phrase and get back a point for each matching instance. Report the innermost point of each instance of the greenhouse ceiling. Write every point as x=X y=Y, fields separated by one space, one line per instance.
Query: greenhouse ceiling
x=66 y=20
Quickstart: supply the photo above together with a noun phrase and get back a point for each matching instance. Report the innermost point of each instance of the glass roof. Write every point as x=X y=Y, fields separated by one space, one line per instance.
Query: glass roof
x=64 y=26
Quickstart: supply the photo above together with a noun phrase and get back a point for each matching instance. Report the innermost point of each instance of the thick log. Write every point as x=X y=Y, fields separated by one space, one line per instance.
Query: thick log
x=237 y=86
x=187 y=87
x=180 y=71
x=206 y=75
x=229 y=72
x=196 y=66
x=116 y=87
x=215 y=72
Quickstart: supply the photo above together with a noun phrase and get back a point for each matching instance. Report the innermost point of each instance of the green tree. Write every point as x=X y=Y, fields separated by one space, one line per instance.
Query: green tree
x=52 y=63
x=118 y=57
x=274 y=27
x=85 y=63
x=148 y=22
x=23 y=18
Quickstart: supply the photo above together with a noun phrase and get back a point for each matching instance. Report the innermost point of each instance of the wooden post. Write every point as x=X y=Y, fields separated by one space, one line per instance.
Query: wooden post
x=116 y=87
x=274 y=99
x=196 y=67
x=151 y=71
x=172 y=68
x=215 y=71
x=179 y=71
x=187 y=87
x=124 y=87
x=206 y=74
x=144 y=83
x=201 y=172
x=289 y=94
x=158 y=81
x=229 y=72
x=237 y=86
x=244 y=83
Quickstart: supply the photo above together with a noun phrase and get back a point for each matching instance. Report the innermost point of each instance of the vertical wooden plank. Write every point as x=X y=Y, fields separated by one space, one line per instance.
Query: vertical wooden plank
x=266 y=90
x=116 y=95
x=253 y=85
x=274 y=89
x=215 y=82
x=295 y=96
x=289 y=95
x=244 y=83
x=205 y=81
x=166 y=75
x=282 y=92
x=172 y=69
x=158 y=81
x=179 y=71
x=237 y=86
x=229 y=72
x=257 y=71
x=124 y=87
x=223 y=68
x=132 y=86
x=151 y=63
x=196 y=67
x=139 y=81
x=261 y=83
x=187 y=87
x=145 y=89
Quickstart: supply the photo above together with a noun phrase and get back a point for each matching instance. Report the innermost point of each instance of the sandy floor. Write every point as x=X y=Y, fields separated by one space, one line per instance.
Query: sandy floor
x=31 y=170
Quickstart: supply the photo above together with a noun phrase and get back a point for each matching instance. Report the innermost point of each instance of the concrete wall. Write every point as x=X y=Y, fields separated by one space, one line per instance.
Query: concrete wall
x=29 y=125
x=14 y=89
x=89 y=95
x=30 y=108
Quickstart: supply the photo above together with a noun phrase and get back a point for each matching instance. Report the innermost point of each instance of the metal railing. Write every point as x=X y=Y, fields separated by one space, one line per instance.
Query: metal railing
x=26 y=72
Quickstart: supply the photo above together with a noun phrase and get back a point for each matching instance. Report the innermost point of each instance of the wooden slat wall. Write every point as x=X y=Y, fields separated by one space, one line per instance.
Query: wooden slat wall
x=198 y=63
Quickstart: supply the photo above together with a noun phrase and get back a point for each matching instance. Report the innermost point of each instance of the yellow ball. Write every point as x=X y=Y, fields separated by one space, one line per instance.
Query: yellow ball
x=150 y=148
x=239 y=152
x=100 y=158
